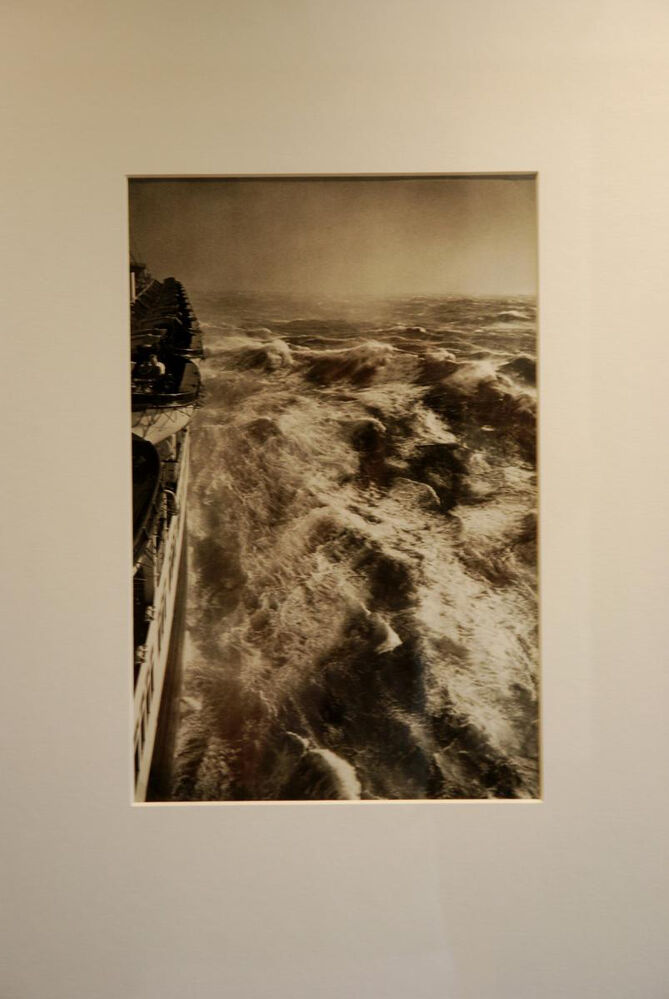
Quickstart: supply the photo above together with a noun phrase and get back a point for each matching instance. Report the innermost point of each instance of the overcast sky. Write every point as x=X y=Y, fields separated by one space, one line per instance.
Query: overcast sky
x=354 y=236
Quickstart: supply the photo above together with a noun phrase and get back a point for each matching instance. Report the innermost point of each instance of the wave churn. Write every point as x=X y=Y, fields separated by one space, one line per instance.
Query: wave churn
x=363 y=584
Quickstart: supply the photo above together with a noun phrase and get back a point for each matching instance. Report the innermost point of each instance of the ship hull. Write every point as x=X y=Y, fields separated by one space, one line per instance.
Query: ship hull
x=159 y=787
x=151 y=675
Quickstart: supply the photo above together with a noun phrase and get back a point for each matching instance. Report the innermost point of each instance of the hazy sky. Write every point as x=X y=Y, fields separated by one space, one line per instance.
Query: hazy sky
x=350 y=237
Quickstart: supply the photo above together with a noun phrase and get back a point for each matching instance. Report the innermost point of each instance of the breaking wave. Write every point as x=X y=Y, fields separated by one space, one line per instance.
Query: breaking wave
x=362 y=521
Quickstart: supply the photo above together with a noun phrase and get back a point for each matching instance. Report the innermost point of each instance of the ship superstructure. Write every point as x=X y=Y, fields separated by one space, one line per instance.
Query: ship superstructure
x=166 y=344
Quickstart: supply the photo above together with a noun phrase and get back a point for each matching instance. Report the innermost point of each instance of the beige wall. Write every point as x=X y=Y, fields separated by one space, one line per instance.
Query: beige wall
x=476 y=901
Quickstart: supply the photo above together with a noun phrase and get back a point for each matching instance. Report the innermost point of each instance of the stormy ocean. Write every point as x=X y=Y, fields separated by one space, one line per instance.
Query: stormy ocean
x=362 y=618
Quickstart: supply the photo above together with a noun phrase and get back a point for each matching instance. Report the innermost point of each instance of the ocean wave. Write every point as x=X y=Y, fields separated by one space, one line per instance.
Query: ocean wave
x=478 y=396
x=271 y=356
x=523 y=368
x=359 y=364
x=362 y=522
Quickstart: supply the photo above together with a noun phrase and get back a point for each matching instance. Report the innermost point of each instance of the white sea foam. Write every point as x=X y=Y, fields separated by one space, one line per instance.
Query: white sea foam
x=360 y=558
x=344 y=776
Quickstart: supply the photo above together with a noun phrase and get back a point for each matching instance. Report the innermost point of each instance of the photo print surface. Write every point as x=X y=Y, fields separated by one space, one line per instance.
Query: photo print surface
x=335 y=488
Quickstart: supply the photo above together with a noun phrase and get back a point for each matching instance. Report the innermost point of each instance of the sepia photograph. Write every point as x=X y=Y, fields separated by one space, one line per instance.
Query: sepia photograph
x=334 y=488
x=378 y=706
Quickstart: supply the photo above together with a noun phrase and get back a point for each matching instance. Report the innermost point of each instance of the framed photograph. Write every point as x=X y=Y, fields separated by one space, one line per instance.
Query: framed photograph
x=345 y=517
x=351 y=391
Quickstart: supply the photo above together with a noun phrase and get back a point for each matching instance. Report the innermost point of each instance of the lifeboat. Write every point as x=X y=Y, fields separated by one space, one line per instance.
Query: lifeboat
x=146 y=476
x=163 y=314
x=165 y=392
